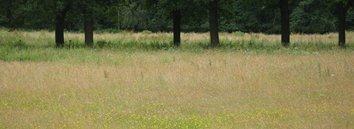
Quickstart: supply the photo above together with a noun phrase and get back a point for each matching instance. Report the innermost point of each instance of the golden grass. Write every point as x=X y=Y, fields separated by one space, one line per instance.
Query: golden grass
x=175 y=89
x=187 y=38
x=181 y=90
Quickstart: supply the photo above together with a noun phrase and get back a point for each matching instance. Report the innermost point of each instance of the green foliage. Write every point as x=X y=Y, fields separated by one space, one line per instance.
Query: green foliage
x=308 y=16
x=313 y=16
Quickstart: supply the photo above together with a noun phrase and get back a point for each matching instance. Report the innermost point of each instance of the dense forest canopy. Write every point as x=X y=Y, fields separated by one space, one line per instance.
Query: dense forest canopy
x=307 y=16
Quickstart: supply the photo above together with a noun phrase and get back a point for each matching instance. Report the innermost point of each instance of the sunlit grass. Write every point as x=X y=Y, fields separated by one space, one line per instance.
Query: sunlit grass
x=121 y=84
x=189 y=40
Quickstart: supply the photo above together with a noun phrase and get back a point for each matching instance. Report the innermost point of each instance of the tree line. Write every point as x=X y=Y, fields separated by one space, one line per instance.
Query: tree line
x=269 y=16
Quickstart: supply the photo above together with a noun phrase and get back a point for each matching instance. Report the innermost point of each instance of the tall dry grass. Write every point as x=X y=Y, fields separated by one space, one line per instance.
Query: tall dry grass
x=88 y=88
x=38 y=37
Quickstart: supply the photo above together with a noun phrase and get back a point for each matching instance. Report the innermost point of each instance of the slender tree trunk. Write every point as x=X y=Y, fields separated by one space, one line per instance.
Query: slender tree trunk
x=59 y=30
x=88 y=27
x=285 y=25
x=214 y=23
x=176 y=28
x=342 y=13
x=59 y=25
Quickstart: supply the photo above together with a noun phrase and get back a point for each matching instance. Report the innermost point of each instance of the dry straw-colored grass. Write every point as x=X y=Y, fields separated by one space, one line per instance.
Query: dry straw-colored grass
x=187 y=38
x=178 y=89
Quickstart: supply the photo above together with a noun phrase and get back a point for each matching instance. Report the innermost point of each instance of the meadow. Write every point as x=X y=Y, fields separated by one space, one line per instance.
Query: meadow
x=139 y=80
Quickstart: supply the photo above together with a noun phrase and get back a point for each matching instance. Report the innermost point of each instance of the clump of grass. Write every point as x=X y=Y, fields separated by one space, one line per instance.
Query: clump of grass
x=239 y=33
x=146 y=32
x=133 y=45
x=74 y=44
x=102 y=44
x=17 y=44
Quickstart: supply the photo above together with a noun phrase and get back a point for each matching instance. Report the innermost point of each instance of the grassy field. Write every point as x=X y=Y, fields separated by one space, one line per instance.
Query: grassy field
x=138 y=80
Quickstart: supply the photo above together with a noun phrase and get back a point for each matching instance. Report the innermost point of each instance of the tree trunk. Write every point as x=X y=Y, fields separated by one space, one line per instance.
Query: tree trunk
x=59 y=30
x=88 y=27
x=59 y=25
x=285 y=25
x=214 y=23
x=176 y=28
x=342 y=13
